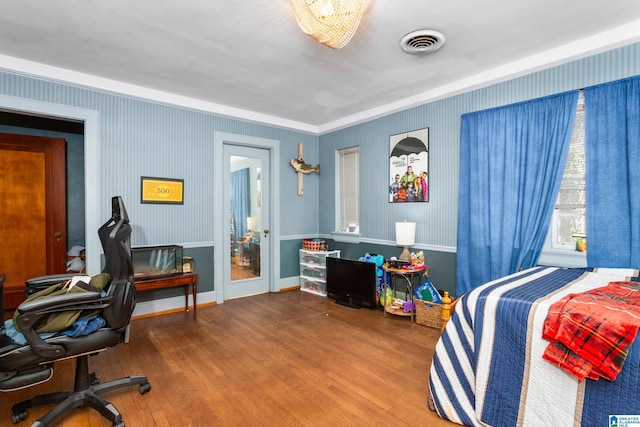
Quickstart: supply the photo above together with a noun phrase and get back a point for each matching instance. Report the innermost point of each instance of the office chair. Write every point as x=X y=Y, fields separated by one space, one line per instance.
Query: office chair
x=26 y=365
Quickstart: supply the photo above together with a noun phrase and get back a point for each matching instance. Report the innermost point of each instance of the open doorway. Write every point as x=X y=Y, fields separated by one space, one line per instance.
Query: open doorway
x=73 y=132
x=92 y=199
x=47 y=197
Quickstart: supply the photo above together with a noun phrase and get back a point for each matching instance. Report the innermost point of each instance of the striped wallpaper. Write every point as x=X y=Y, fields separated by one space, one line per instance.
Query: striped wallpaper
x=142 y=138
x=437 y=220
x=147 y=138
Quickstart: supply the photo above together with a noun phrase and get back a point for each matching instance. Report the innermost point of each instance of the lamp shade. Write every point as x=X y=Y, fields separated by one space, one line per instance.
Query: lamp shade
x=252 y=223
x=331 y=22
x=405 y=233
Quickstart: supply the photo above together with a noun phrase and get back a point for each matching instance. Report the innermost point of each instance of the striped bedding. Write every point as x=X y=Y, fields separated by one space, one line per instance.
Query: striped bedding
x=488 y=368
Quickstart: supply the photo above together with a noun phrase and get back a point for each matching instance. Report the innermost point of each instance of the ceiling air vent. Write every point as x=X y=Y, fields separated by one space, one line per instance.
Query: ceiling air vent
x=422 y=42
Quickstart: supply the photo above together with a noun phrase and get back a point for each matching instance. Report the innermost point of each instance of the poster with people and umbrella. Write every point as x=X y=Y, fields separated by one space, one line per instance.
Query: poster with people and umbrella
x=409 y=167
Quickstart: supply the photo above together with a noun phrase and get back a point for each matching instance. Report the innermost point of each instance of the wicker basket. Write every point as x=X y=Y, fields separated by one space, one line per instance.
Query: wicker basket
x=313 y=245
x=429 y=314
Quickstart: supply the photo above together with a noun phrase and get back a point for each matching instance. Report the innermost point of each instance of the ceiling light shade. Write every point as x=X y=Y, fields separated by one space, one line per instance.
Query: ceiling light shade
x=331 y=22
x=405 y=236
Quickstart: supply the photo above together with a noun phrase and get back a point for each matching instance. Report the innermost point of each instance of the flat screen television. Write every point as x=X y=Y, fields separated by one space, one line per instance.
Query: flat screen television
x=351 y=283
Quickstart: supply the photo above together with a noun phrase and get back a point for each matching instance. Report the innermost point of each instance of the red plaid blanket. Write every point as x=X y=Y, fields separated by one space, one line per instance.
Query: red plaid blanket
x=590 y=332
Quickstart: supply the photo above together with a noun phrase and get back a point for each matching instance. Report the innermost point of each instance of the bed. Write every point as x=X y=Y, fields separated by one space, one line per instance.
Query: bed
x=488 y=368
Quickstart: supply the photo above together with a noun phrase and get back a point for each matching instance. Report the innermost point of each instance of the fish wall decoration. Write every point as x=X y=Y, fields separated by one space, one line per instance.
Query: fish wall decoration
x=302 y=168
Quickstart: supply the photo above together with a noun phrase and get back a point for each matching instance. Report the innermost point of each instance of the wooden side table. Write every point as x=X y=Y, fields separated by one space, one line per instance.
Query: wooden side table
x=186 y=280
x=404 y=276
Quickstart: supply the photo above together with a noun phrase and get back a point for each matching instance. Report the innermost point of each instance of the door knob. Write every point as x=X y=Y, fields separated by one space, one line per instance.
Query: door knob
x=57 y=234
x=266 y=232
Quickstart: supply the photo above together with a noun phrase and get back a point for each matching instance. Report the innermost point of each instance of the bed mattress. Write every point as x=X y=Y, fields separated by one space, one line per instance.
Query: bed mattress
x=488 y=367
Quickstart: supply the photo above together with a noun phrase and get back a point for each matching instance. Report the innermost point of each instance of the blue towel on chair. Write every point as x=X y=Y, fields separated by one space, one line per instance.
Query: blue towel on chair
x=81 y=327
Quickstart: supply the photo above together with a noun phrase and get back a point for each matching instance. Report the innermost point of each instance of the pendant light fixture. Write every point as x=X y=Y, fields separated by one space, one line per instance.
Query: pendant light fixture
x=331 y=22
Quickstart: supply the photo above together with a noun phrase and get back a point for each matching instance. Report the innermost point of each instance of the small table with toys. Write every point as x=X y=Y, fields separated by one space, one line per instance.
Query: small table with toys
x=402 y=275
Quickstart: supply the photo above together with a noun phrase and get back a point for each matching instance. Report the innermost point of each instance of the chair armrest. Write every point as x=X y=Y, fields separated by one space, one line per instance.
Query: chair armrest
x=35 y=284
x=30 y=313
x=58 y=302
x=52 y=278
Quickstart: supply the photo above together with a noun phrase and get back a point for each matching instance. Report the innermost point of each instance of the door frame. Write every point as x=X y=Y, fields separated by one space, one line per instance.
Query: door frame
x=258 y=284
x=92 y=169
x=222 y=229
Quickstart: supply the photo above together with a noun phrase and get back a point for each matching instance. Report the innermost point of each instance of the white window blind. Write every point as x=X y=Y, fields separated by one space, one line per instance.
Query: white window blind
x=348 y=186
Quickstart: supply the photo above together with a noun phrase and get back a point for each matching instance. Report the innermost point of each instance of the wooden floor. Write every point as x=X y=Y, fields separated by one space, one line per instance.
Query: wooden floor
x=239 y=272
x=287 y=359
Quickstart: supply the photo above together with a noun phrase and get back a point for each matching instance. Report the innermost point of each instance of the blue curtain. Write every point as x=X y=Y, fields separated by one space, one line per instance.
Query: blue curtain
x=511 y=163
x=240 y=201
x=612 y=153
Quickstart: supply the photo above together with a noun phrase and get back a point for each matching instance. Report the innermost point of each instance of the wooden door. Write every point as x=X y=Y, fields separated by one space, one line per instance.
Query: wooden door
x=33 y=215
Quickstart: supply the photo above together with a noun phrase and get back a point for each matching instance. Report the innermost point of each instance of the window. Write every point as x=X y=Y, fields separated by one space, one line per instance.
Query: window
x=569 y=214
x=568 y=220
x=348 y=190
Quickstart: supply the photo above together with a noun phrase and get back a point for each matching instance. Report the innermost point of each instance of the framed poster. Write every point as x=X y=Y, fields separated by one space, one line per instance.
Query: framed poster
x=161 y=190
x=409 y=167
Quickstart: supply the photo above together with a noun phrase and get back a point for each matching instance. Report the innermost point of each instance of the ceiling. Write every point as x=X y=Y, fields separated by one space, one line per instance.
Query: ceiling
x=249 y=59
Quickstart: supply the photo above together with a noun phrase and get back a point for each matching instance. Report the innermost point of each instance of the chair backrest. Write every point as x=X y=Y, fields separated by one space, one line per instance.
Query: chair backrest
x=115 y=238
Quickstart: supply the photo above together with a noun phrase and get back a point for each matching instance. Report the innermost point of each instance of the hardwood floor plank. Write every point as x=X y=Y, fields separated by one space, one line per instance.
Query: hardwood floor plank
x=286 y=359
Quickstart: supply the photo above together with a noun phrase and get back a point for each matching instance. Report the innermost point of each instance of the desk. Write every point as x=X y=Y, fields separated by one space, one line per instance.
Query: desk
x=405 y=276
x=185 y=280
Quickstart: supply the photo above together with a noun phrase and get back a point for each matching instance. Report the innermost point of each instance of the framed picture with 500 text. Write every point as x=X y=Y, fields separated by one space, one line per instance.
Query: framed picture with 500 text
x=161 y=190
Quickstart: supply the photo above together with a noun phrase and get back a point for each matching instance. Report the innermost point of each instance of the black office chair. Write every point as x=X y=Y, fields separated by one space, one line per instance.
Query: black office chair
x=26 y=365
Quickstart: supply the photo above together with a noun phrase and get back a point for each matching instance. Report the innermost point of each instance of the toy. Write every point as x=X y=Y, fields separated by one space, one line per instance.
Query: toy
x=378 y=260
x=426 y=291
x=386 y=295
x=417 y=258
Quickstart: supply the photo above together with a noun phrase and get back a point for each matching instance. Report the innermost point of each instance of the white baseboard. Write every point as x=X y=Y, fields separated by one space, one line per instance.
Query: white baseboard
x=175 y=303
x=170 y=304
x=289 y=282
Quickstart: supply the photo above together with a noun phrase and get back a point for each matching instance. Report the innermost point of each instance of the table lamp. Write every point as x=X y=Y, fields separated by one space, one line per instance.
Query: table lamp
x=253 y=225
x=405 y=236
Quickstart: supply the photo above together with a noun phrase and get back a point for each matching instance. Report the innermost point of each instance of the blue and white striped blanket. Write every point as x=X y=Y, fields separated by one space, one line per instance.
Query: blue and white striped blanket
x=488 y=368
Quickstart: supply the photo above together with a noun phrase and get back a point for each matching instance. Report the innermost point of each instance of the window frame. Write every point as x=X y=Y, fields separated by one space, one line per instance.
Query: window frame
x=342 y=233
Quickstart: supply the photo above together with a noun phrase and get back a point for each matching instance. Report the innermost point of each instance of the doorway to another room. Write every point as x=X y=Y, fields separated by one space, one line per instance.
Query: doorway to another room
x=43 y=185
x=87 y=131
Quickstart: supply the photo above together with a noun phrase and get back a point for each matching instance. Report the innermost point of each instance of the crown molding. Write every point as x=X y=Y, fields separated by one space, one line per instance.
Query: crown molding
x=592 y=45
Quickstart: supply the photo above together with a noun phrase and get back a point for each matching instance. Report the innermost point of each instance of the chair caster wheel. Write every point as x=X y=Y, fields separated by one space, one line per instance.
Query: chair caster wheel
x=144 y=388
x=16 y=417
x=118 y=424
